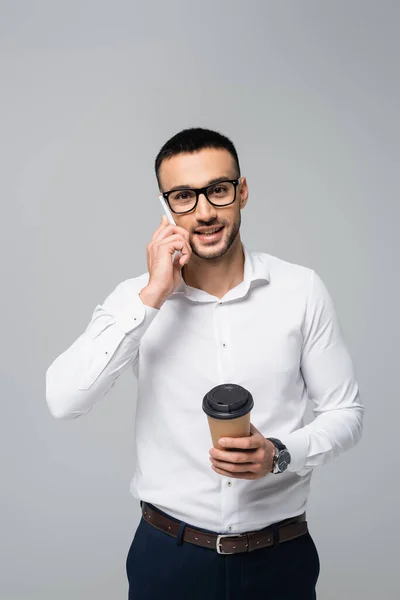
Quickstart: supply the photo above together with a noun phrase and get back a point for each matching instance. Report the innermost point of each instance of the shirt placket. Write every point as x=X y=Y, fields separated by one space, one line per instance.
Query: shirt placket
x=228 y=490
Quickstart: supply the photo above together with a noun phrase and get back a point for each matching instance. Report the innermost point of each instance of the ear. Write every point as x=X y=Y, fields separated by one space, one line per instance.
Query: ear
x=243 y=192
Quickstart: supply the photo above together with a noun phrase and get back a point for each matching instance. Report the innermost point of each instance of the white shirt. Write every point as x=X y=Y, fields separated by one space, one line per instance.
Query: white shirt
x=276 y=334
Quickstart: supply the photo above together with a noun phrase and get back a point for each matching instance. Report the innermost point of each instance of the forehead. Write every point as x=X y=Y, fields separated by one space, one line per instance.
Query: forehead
x=197 y=168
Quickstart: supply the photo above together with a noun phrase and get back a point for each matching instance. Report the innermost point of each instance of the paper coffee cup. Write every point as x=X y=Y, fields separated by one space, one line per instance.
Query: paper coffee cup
x=228 y=408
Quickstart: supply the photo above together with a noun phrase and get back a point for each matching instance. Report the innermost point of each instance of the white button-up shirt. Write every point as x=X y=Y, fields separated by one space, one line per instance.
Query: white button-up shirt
x=276 y=334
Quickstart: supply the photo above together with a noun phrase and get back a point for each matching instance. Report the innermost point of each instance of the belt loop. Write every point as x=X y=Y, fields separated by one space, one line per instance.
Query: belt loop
x=275 y=532
x=179 y=540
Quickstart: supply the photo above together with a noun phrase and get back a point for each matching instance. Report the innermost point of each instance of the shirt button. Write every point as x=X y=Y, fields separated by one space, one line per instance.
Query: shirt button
x=230 y=527
x=229 y=483
x=224 y=345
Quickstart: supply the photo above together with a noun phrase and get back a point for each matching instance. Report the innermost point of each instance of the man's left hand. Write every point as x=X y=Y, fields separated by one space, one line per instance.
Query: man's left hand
x=252 y=457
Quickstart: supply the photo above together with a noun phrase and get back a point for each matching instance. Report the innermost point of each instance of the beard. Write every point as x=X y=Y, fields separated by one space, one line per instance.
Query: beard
x=220 y=248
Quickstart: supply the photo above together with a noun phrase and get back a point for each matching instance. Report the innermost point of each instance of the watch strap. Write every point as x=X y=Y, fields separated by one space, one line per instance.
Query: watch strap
x=277 y=443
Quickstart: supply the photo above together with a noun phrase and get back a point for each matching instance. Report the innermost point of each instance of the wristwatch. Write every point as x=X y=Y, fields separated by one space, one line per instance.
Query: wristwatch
x=282 y=456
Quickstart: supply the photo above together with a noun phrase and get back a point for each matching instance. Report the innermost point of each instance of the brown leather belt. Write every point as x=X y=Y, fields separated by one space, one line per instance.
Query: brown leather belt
x=229 y=543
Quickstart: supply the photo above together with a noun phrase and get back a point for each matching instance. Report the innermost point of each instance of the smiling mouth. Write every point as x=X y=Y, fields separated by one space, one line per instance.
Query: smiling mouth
x=213 y=233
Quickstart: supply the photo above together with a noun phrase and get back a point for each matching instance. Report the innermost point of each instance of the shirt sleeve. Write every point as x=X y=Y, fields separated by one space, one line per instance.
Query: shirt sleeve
x=86 y=371
x=329 y=377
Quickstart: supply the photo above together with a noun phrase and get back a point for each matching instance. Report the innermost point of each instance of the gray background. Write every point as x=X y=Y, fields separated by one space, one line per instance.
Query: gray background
x=309 y=93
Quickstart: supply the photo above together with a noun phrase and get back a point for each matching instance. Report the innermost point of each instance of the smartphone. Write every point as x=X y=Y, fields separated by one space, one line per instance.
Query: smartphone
x=166 y=209
x=170 y=219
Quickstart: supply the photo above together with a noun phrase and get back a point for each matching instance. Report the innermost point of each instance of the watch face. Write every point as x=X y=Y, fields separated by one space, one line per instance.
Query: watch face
x=283 y=460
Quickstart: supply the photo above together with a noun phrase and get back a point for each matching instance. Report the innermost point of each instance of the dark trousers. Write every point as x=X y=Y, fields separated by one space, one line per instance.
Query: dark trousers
x=160 y=566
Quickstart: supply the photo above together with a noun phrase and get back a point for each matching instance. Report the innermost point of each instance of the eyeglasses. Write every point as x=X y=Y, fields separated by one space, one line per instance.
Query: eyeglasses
x=222 y=193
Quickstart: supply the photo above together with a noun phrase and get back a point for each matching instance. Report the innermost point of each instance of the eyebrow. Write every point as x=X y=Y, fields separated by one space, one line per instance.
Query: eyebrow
x=210 y=182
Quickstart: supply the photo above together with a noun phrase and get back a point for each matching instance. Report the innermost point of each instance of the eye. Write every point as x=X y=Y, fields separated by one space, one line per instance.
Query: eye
x=219 y=189
x=183 y=195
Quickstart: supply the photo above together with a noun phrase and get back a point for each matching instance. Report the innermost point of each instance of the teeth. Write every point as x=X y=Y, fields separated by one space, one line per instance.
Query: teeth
x=211 y=232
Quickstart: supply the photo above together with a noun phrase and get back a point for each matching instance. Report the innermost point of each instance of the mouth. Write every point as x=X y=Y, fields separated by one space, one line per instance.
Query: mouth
x=210 y=235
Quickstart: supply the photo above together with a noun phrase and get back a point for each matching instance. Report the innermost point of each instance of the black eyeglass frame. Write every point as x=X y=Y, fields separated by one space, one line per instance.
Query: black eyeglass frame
x=202 y=190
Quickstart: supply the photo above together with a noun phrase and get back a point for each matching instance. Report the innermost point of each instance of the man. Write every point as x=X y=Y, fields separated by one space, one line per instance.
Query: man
x=217 y=523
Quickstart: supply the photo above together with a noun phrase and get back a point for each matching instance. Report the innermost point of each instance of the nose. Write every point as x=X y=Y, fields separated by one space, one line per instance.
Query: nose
x=204 y=210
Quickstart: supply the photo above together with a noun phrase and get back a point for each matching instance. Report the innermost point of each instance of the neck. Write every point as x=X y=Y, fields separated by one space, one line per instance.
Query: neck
x=218 y=275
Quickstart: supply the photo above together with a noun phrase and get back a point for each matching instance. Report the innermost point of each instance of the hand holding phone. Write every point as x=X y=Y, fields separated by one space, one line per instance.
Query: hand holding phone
x=165 y=275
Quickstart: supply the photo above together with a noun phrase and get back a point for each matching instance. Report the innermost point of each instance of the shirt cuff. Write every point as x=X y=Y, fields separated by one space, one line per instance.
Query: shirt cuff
x=297 y=444
x=136 y=318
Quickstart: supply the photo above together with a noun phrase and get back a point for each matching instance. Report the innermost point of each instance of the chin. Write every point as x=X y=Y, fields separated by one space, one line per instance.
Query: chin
x=210 y=252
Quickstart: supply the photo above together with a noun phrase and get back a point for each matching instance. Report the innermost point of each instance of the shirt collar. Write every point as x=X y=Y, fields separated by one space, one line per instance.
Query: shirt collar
x=255 y=269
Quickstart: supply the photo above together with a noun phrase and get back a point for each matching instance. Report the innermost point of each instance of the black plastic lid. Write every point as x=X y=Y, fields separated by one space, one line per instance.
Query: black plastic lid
x=227 y=401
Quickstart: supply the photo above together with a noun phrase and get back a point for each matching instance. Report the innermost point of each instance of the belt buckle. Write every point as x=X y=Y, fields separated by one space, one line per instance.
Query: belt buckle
x=228 y=535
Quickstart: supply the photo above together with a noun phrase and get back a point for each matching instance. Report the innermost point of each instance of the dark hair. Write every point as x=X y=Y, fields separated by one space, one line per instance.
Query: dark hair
x=193 y=140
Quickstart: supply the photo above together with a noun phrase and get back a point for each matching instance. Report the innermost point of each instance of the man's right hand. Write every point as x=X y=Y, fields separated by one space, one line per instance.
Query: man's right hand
x=165 y=275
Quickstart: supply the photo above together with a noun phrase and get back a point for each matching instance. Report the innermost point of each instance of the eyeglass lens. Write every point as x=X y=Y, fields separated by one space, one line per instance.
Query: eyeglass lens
x=218 y=193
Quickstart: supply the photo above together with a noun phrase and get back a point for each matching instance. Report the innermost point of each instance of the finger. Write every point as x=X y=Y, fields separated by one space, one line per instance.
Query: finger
x=164 y=222
x=235 y=457
x=234 y=468
x=178 y=244
x=244 y=443
x=168 y=229
x=234 y=475
x=183 y=260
